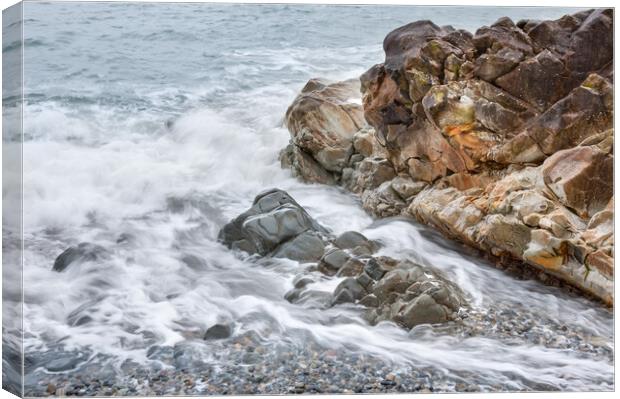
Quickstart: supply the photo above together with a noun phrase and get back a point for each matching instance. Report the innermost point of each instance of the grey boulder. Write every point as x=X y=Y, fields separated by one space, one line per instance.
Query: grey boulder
x=275 y=217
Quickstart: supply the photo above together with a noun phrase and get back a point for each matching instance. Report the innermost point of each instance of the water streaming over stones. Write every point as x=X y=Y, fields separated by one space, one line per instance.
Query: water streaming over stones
x=145 y=136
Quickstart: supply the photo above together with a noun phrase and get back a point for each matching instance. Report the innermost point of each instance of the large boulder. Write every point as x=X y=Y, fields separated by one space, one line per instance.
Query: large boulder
x=329 y=136
x=540 y=80
x=517 y=216
x=323 y=120
x=274 y=218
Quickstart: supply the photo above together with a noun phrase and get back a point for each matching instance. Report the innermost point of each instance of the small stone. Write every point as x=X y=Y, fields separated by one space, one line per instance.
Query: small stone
x=302 y=282
x=351 y=268
x=83 y=252
x=334 y=260
x=194 y=262
x=374 y=269
x=51 y=389
x=218 y=331
x=349 y=290
x=293 y=295
x=365 y=280
x=406 y=187
x=370 y=301
x=350 y=239
x=343 y=296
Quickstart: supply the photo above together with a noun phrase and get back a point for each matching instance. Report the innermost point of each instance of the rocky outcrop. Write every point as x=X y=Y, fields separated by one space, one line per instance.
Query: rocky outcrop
x=391 y=290
x=501 y=139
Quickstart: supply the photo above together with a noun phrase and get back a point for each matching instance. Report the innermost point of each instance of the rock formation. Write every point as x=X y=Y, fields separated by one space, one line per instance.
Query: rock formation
x=502 y=139
x=400 y=291
x=273 y=219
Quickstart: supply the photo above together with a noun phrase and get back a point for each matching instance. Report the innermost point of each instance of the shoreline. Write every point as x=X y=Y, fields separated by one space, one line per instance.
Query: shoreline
x=250 y=368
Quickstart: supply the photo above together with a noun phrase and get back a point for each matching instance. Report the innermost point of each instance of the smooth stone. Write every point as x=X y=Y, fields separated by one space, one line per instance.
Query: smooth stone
x=302 y=281
x=218 y=331
x=64 y=361
x=351 y=239
x=334 y=260
x=83 y=252
x=194 y=262
x=306 y=247
x=349 y=290
x=423 y=310
x=293 y=295
x=274 y=218
x=370 y=301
